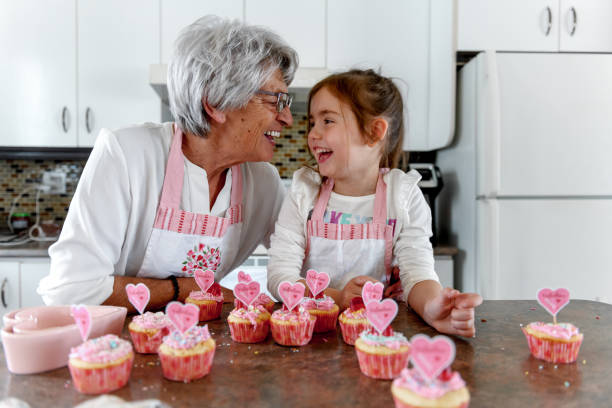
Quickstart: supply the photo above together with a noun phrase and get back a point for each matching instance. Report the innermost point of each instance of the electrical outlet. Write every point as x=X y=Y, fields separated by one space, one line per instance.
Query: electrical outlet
x=56 y=180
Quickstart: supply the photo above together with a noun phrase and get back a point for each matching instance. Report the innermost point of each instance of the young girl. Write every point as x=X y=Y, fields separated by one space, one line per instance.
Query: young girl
x=355 y=219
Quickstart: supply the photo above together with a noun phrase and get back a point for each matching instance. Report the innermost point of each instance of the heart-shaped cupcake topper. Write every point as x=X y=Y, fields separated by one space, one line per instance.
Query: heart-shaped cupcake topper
x=184 y=317
x=372 y=291
x=82 y=317
x=380 y=313
x=204 y=278
x=317 y=281
x=138 y=295
x=291 y=294
x=244 y=277
x=431 y=355
x=553 y=300
x=247 y=292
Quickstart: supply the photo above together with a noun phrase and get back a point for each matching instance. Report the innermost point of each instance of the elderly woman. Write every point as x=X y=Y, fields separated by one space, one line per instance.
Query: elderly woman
x=153 y=199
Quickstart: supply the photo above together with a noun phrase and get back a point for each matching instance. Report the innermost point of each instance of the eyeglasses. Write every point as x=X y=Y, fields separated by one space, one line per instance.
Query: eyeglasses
x=283 y=99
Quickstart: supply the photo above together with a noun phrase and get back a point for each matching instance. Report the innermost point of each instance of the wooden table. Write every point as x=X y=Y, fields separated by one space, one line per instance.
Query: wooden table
x=496 y=365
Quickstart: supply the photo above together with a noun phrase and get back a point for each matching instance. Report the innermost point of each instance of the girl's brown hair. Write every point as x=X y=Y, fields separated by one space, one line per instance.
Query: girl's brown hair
x=370 y=95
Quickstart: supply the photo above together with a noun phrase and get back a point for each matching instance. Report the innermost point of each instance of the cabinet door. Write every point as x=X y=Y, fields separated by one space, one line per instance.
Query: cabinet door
x=302 y=25
x=9 y=286
x=31 y=273
x=585 y=25
x=117 y=41
x=398 y=38
x=508 y=25
x=38 y=86
x=177 y=14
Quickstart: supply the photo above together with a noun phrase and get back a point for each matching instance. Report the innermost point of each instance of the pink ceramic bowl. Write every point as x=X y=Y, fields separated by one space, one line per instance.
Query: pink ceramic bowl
x=38 y=339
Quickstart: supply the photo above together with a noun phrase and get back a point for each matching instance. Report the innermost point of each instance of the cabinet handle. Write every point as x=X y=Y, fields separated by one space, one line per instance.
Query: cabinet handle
x=87 y=117
x=65 y=119
x=4 y=282
x=549 y=22
x=574 y=21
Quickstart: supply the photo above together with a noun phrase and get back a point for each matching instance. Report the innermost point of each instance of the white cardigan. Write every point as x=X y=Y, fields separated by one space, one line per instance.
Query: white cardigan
x=113 y=209
x=412 y=250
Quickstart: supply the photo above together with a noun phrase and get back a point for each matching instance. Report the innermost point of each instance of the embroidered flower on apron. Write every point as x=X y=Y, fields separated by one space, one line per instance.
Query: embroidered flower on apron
x=201 y=257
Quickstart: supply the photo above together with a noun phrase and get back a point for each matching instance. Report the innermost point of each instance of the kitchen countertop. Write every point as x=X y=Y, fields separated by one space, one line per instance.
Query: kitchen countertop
x=496 y=366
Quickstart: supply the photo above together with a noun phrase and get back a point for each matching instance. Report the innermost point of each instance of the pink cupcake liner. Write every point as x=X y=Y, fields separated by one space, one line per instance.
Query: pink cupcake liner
x=293 y=334
x=382 y=366
x=148 y=344
x=400 y=404
x=351 y=331
x=553 y=351
x=186 y=368
x=101 y=380
x=249 y=333
x=325 y=321
x=208 y=310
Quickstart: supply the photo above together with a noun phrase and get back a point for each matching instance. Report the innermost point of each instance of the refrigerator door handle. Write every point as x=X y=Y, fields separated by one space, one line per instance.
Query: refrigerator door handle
x=489 y=139
x=548 y=21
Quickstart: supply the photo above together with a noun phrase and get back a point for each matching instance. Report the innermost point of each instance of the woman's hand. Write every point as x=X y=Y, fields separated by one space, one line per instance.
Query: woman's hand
x=452 y=312
x=352 y=289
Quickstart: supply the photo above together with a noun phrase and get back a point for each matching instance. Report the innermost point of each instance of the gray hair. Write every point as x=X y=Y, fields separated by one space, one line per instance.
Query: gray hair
x=223 y=62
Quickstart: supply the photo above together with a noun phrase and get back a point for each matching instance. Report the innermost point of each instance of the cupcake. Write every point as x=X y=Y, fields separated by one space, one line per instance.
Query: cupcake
x=353 y=321
x=553 y=342
x=209 y=301
x=324 y=310
x=101 y=365
x=187 y=356
x=412 y=390
x=292 y=327
x=265 y=301
x=148 y=331
x=382 y=353
x=249 y=324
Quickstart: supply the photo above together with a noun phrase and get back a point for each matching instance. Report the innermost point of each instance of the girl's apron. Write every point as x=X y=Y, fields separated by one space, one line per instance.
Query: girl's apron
x=182 y=241
x=345 y=251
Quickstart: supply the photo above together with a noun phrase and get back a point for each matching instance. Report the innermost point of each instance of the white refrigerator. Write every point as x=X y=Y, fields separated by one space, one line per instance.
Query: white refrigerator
x=528 y=178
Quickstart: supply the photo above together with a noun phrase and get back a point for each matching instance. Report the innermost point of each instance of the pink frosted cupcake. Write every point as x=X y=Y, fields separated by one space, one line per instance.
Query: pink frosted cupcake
x=148 y=331
x=292 y=328
x=353 y=321
x=382 y=356
x=187 y=356
x=324 y=310
x=249 y=325
x=101 y=365
x=555 y=343
x=412 y=390
x=265 y=301
x=210 y=302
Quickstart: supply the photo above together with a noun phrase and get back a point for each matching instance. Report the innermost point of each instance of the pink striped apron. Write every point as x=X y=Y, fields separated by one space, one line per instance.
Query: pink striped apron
x=182 y=241
x=345 y=251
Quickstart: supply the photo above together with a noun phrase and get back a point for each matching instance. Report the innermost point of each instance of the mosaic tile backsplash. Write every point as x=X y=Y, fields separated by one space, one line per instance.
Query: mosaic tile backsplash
x=16 y=175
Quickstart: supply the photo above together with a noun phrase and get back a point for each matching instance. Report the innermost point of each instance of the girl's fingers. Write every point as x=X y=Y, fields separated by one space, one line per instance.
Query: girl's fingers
x=461 y=325
x=462 y=314
x=466 y=332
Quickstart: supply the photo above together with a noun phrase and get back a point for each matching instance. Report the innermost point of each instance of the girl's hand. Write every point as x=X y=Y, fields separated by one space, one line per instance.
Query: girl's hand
x=352 y=289
x=452 y=312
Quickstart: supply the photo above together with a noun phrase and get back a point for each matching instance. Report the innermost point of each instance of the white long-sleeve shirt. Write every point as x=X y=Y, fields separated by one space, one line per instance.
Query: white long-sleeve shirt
x=406 y=208
x=113 y=209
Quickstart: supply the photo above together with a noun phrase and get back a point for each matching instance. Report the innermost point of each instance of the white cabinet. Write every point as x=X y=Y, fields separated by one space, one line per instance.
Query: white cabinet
x=301 y=24
x=586 y=25
x=443 y=265
x=178 y=14
x=117 y=41
x=411 y=41
x=9 y=286
x=38 y=87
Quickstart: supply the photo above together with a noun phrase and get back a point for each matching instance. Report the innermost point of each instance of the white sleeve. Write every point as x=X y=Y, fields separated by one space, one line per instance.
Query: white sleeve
x=413 y=249
x=276 y=207
x=84 y=257
x=288 y=242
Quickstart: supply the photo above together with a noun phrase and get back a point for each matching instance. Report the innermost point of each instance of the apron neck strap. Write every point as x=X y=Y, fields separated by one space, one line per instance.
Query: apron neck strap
x=175 y=170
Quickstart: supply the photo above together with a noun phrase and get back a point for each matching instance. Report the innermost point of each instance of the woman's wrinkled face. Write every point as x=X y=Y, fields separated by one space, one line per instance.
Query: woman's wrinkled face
x=256 y=127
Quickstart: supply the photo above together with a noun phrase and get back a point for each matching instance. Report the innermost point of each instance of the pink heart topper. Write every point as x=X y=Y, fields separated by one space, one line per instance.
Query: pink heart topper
x=372 y=291
x=317 y=281
x=381 y=313
x=138 y=295
x=553 y=300
x=431 y=355
x=204 y=278
x=244 y=277
x=184 y=317
x=291 y=295
x=246 y=292
x=82 y=317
